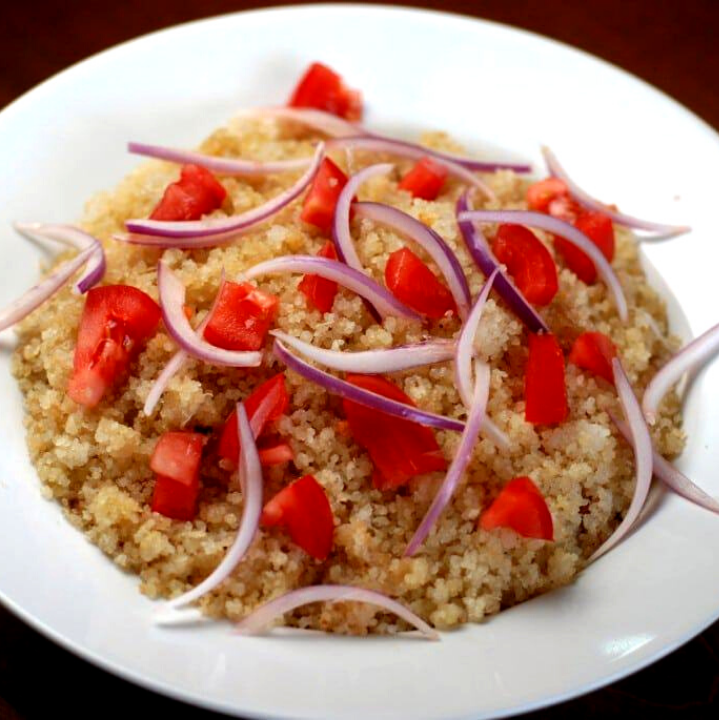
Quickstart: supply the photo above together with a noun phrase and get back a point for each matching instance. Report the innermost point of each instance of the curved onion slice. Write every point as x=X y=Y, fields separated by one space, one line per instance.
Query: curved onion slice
x=36 y=295
x=643 y=453
x=259 y=619
x=429 y=240
x=172 y=302
x=403 y=149
x=251 y=479
x=482 y=255
x=373 y=362
x=477 y=414
x=220 y=165
x=324 y=122
x=74 y=237
x=691 y=357
x=234 y=225
x=565 y=230
x=671 y=476
x=464 y=351
x=583 y=198
x=355 y=280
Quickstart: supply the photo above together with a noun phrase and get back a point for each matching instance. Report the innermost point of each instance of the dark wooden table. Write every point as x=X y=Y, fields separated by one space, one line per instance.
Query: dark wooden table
x=669 y=43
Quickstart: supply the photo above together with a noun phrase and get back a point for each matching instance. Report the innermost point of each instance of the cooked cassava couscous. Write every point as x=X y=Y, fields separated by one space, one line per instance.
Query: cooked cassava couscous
x=96 y=461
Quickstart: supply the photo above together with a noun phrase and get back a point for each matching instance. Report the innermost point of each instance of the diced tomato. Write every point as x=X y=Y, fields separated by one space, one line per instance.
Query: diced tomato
x=177 y=456
x=116 y=322
x=242 y=316
x=322 y=88
x=400 y=449
x=320 y=292
x=541 y=194
x=563 y=207
x=174 y=499
x=412 y=282
x=303 y=508
x=229 y=446
x=195 y=194
x=318 y=208
x=599 y=229
x=521 y=507
x=529 y=263
x=594 y=351
x=545 y=391
x=425 y=179
x=276 y=454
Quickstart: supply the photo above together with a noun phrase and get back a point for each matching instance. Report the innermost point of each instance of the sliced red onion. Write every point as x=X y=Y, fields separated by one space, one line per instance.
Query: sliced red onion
x=583 y=198
x=324 y=122
x=691 y=357
x=477 y=414
x=355 y=280
x=429 y=240
x=74 y=237
x=220 y=165
x=372 y=143
x=259 y=619
x=189 y=243
x=671 y=476
x=565 y=230
x=464 y=351
x=251 y=480
x=172 y=302
x=48 y=286
x=236 y=224
x=643 y=454
x=482 y=255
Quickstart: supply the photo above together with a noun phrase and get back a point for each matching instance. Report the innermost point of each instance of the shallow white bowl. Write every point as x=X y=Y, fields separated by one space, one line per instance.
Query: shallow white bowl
x=497 y=89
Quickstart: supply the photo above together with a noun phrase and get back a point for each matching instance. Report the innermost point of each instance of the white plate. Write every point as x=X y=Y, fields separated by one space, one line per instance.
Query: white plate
x=491 y=86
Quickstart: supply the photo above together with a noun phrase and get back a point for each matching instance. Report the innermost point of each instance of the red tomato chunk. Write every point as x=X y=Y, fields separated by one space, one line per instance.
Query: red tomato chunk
x=322 y=88
x=195 y=194
x=116 y=322
x=521 y=507
x=545 y=390
x=276 y=454
x=425 y=179
x=594 y=351
x=304 y=510
x=542 y=193
x=318 y=208
x=412 y=282
x=320 y=292
x=400 y=449
x=242 y=316
x=599 y=229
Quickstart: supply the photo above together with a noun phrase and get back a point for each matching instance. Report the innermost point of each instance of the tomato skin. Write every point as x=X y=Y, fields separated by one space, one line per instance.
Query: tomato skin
x=177 y=456
x=116 y=322
x=322 y=88
x=195 y=194
x=425 y=179
x=229 y=446
x=542 y=193
x=275 y=454
x=599 y=229
x=174 y=499
x=318 y=208
x=594 y=351
x=320 y=292
x=545 y=389
x=412 y=282
x=520 y=506
x=304 y=510
x=242 y=317
x=399 y=449
x=529 y=263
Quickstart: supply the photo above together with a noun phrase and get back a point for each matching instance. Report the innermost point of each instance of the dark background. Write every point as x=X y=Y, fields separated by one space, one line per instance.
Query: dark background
x=669 y=43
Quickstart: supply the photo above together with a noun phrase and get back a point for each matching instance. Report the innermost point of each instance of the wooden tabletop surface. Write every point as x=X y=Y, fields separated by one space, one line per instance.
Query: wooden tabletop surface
x=668 y=43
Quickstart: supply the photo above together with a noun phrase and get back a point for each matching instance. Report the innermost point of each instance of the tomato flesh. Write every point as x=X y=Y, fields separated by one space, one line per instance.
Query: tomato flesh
x=229 y=446
x=177 y=456
x=425 y=180
x=322 y=88
x=521 y=507
x=594 y=351
x=399 y=449
x=116 y=322
x=242 y=317
x=542 y=193
x=529 y=263
x=599 y=229
x=545 y=389
x=276 y=454
x=195 y=194
x=304 y=510
x=412 y=282
x=320 y=292
x=318 y=208
x=174 y=499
